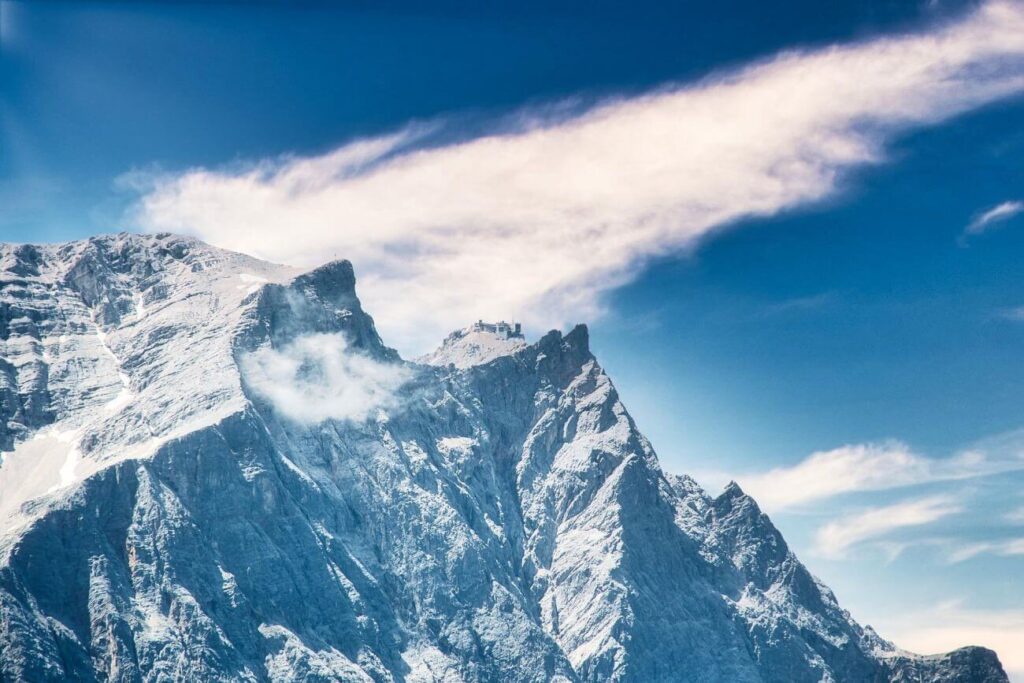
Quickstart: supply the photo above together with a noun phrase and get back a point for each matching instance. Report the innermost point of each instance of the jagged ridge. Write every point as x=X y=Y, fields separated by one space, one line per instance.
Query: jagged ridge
x=506 y=521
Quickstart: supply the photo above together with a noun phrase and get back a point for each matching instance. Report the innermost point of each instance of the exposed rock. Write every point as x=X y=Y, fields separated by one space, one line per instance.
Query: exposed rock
x=505 y=521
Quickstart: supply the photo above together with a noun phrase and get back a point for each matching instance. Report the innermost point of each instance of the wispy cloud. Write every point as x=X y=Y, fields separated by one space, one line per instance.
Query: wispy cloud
x=1015 y=314
x=837 y=537
x=990 y=218
x=1005 y=548
x=866 y=467
x=538 y=222
x=315 y=378
x=893 y=549
x=951 y=549
x=1015 y=516
x=799 y=304
x=950 y=625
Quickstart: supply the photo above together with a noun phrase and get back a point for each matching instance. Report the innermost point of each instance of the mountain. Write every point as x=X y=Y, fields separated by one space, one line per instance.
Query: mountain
x=214 y=469
x=477 y=344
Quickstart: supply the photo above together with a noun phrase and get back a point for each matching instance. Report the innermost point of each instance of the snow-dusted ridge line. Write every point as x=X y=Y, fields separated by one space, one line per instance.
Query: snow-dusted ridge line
x=82 y=301
x=477 y=344
x=504 y=520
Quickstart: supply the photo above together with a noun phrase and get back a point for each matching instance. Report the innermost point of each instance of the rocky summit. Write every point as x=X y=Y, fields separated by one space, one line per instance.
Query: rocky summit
x=213 y=469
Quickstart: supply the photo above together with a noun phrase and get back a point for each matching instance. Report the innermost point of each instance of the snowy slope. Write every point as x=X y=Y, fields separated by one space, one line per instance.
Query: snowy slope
x=491 y=516
x=473 y=346
x=109 y=348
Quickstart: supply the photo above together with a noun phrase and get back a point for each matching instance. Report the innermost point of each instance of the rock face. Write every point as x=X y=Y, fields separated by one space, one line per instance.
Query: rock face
x=163 y=516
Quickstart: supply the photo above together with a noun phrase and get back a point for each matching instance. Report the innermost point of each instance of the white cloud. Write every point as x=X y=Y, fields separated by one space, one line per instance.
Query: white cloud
x=865 y=467
x=1000 y=213
x=1015 y=516
x=315 y=378
x=1005 y=548
x=951 y=625
x=893 y=549
x=836 y=538
x=953 y=550
x=537 y=223
x=1016 y=314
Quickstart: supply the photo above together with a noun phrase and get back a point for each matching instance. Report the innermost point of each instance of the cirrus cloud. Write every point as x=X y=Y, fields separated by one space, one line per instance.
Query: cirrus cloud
x=1006 y=547
x=1015 y=516
x=536 y=223
x=837 y=537
x=1000 y=213
x=871 y=467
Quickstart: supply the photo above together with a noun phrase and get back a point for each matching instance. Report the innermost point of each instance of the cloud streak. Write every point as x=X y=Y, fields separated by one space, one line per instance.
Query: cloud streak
x=1015 y=516
x=834 y=539
x=867 y=467
x=537 y=222
x=1005 y=548
x=990 y=218
x=1014 y=314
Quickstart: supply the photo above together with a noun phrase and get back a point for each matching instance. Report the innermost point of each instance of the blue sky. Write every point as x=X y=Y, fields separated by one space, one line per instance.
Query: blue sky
x=769 y=305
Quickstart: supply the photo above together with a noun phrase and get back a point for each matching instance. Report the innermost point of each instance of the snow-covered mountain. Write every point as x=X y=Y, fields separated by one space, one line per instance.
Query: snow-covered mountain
x=477 y=344
x=213 y=469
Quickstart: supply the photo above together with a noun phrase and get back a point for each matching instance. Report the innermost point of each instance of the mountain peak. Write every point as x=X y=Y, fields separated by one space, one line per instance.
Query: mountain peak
x=733 y=499
x=477 y=344
x=733 y=490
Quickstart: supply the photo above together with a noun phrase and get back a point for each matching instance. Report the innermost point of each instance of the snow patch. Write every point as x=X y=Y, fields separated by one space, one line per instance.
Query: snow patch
x=473 y=346
x=126 y=395
x=67 y=470
x=43 y=464
x=448 y=444
x=250 y=282
x=140 y=307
